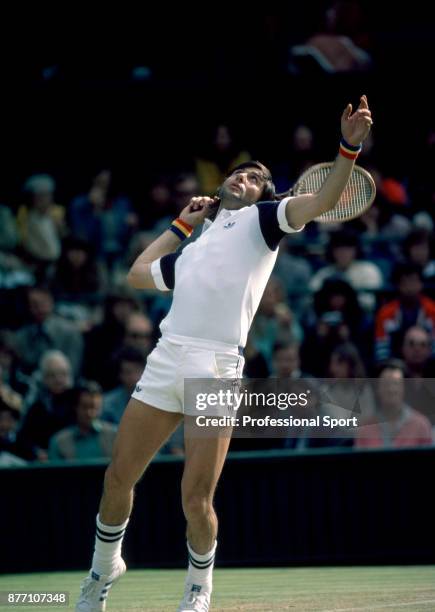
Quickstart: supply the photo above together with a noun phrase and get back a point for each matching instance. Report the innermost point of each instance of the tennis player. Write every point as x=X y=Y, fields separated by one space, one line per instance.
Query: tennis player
x=218 y=281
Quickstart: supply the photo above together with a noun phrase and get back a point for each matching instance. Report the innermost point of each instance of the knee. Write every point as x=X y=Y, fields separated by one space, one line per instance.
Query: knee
x=115 y=480
x=197 y=504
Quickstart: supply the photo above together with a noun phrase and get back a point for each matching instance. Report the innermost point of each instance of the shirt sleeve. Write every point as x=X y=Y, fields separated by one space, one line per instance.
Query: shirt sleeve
x=273 y=222
x=163 y=271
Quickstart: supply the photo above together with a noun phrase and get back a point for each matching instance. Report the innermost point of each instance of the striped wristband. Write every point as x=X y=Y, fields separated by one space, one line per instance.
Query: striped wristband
x=349 y=151
x=181 y=229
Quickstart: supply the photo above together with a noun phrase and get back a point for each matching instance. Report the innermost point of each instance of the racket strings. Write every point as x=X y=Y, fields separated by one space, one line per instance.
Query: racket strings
x=354 y=199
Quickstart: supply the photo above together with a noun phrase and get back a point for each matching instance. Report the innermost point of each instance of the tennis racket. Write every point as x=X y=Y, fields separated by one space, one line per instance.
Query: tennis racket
x=357 y=197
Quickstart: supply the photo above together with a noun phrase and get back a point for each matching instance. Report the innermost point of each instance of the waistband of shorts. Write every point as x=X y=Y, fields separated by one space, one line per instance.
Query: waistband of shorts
x=204 y=343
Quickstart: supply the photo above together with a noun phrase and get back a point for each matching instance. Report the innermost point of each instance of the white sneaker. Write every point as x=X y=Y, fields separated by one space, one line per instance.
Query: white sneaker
x=94 y=590
x=195 y=599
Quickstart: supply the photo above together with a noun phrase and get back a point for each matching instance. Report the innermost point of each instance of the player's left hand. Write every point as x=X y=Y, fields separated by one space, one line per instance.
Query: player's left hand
x=356 y=127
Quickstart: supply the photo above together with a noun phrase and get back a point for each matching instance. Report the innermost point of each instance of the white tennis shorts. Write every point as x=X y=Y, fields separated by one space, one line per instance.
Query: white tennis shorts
x=176 y=358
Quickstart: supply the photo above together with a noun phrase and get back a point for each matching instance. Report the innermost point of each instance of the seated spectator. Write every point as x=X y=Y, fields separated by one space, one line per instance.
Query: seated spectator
x=139 y=333
x=131 y=364
x=420 y=365
x=300 y=154
x=77 y=276
x=185 y=187
x=50 y=409
x=409 y=309
x=417 y=249
x=286 y=360
x=46 y=331
x=220 y=156
x=338 y=318
x=396 y=424
x=159 y=203
x=89 y=437
x=103 y=218
x=295 y=273
x=350 y=394
x=13 y=270
x=41 y=222
x=274 y=320
x=11 y=405
x=343 y=252
x=107 y=338
x=10 y=369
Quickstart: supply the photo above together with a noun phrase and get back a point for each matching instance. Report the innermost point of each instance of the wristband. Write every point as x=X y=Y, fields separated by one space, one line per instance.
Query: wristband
x=181 y=229
x=349 y=151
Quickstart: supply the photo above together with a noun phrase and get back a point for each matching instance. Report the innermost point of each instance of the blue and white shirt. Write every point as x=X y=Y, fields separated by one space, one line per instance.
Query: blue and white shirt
x=219 y=279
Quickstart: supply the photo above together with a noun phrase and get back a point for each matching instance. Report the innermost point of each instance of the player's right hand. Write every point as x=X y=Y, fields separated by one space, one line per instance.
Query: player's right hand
x=197 y=210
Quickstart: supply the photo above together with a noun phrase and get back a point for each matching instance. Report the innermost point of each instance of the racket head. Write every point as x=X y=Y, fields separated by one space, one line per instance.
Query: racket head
x=356 y=198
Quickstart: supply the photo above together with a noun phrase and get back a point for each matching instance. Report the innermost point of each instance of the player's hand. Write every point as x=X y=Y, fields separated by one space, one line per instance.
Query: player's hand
x=356 y=127
x=197 y=210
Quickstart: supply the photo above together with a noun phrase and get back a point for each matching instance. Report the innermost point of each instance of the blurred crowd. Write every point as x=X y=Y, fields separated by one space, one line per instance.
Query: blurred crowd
x=345 y=301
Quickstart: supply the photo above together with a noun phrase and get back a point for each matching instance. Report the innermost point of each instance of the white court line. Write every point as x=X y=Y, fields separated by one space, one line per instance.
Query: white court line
x=396 y=605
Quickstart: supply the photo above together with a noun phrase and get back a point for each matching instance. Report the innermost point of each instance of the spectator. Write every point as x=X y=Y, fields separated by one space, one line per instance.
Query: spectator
x=185 y=187
x=343 y=251
x=338 y=318
x=159 y=203
x=77 y=276
x=409 y=309
x=89 y=437
x=274 y=320
x=50 y=410
x=47 y=331
x=351 y=395
x=300 y=154
x=13 y=270
x=139 y=333
x=10 y=414
x=295 y=273
x=417 y=249
x=103 y=218
x=286 y=360
x=131 y=364
x=214 y=164
x=420 y=387
x=10 y=369
x=396 y=424
x=41 y=222
x=105 y=339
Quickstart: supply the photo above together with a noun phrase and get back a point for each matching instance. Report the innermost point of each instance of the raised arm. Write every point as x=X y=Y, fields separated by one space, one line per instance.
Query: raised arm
x=355 y=129
x=139 y=275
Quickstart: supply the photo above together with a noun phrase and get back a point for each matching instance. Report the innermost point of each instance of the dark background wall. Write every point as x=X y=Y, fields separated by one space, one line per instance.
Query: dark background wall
x=277 y=508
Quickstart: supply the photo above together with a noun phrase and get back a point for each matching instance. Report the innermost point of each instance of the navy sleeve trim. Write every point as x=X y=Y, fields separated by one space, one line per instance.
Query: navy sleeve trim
x=167 y=266
x=269 y=225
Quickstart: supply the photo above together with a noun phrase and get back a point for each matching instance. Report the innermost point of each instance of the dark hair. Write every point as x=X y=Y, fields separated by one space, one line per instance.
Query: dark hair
x=406 y=269
x=392 y=364
x=84 y=386
x=350 y=354
x=342 y=238
x=268 y=192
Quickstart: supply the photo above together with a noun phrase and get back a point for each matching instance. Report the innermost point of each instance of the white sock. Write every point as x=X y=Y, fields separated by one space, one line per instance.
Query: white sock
x=108 y=543
x=200 y=572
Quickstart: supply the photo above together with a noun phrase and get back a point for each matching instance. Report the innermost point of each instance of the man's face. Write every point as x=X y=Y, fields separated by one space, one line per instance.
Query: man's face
x=89 y=408
x=286 y=361
x=41 y=305
x=416 y=347
x=129 y=374
x=410 y=285
x=391 y=389
x=57 y=376
x=243 y=187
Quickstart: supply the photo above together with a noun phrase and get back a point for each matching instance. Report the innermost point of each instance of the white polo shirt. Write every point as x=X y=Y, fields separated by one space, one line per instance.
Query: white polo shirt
x=219 y=279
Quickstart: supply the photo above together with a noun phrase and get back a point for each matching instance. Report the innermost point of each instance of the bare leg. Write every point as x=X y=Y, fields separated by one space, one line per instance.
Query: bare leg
x=142 y=432
x=205 y=458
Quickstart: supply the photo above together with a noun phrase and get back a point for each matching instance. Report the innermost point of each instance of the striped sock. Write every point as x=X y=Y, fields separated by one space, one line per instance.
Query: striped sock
x=108 y=543
x=200 y=570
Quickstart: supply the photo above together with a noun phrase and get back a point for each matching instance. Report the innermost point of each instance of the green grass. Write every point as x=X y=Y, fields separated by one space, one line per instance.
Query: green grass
x=346 y=589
